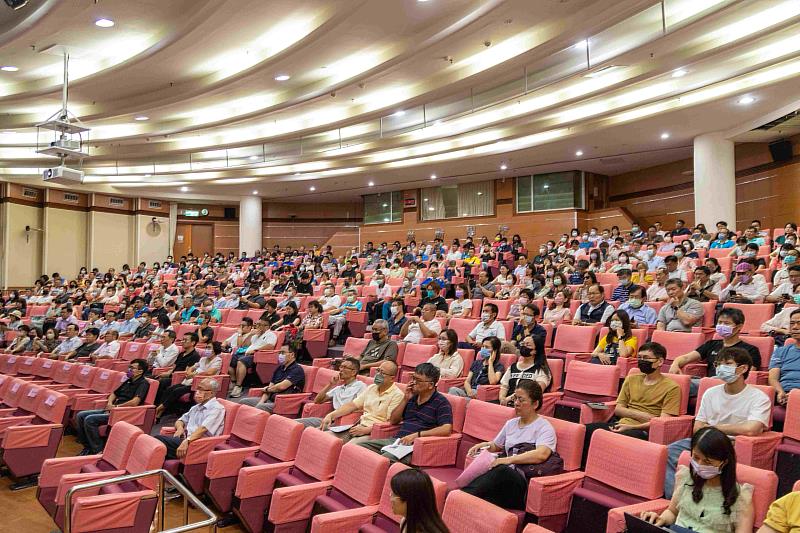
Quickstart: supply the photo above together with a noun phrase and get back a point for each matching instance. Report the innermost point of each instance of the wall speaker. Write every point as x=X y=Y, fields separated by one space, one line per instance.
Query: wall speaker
x=781 y=150
x=230 y=212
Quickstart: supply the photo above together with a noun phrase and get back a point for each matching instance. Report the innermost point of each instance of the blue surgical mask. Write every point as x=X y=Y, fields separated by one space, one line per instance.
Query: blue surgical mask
x=485 y=353
x=727 y=373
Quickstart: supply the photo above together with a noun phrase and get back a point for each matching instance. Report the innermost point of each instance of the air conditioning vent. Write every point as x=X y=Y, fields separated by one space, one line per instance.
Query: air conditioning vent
x=116 y=202
x=30 y=193
x=71 y=197
x=154 y=204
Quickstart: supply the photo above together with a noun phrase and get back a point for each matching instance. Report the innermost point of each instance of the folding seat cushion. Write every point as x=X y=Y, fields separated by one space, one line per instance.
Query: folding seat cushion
x=316 y=460
x=465 y=513
x=359 y=478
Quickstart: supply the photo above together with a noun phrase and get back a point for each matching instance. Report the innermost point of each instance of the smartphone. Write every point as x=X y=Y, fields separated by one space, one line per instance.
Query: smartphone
x=597 y=405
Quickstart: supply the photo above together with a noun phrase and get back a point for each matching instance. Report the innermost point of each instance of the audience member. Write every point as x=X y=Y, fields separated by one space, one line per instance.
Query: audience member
x=485 y=370
x=618 y=342
x=784 y=365
x=531 y=366
x=679 y=313
x=288 y=378
x=413 y=500
x=205 y=419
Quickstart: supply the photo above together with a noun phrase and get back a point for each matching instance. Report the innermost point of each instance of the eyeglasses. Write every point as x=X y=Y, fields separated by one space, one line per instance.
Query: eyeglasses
x=343 y=367
x=415 y=380
x=518 y=399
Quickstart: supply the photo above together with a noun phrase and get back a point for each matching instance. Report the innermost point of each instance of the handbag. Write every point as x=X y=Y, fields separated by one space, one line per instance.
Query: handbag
x=552 y=466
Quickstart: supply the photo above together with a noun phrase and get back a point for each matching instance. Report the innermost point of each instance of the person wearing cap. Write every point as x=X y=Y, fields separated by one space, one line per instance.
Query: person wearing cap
x=746 y=287
x=15 y=320
x=430 y=291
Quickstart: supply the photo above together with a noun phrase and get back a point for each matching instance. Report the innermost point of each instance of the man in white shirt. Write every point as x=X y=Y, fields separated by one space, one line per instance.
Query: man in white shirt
x=329 y=299
x=673 y=272
x=789 y=291
x=746 y=287
x=205 y=419
x=341 y=390
x=734 y=408
x=262 y=339
x=68 y=346
x=109 y=349
x=241 y=338
x=487 y=327
x=426 y=326
x=167 y=354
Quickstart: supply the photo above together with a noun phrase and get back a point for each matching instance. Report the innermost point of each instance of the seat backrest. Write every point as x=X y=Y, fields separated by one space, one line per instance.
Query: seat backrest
x=43 y=367
x=764 y=482
x=281 y=438
x=30 y=399
x=110 y=511
x=355 y=346
x=791 y=426
x=587 y=378
x=119 y=444
x=570 y=437
x=25 y=365
x=677 y=343
x=482 y=423
x=52 y=407
x=503 y=307
x=318 y=453
x=571 y=338
x=684 y=382
x=134 y=350
x=765 y=345
x=83 y=376
x=458 y=404
x=557 y=373
x=323 y=378
x=385 y=505
x=222 y=333
x=147 y=453
x=754 y=315
x=105 y=380
x=462 y=326
x=310 y=373
x=465 y=513
x=234 y=318
x=707 y=383
x=468 y=356
x=416 y=354
x=230 y=414
x=629 y=465
x=361 y=474
x=249 y=423
x=15 y=391
x=5 y=383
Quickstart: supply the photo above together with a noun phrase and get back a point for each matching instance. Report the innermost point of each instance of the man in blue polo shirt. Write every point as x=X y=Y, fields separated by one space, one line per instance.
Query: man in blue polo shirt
x=424 y=412
x=784 y=365
x=288 y=378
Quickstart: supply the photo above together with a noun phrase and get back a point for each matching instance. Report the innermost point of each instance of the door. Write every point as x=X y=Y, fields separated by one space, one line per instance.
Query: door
x=183 y=240
x=202 y=239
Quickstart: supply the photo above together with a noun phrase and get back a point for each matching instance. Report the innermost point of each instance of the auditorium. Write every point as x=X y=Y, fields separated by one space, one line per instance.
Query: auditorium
x=400 y=266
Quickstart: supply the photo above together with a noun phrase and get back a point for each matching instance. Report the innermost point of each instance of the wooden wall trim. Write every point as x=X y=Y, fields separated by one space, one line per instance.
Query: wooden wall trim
x=20 y=201
x=66 y=207
x=650 y=192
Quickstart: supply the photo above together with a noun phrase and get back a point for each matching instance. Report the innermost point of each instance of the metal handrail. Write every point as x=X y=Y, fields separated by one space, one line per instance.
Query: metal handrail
x=210 y=521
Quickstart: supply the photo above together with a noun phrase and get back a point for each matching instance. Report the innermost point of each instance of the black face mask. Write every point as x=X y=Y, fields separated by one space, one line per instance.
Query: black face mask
x=524 y=351
x=376 y=336
x=645 y=367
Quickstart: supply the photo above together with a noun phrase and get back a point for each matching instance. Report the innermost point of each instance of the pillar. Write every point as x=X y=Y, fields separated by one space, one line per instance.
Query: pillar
x=714 y=180
x=250 y=225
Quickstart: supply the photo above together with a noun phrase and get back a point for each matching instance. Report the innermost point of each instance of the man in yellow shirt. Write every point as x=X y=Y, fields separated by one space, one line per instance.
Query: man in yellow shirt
x=783 y=515
x=643 y=396
x=377 y=401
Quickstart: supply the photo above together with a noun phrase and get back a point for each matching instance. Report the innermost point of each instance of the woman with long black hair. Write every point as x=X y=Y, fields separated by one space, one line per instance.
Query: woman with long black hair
x=413 y=498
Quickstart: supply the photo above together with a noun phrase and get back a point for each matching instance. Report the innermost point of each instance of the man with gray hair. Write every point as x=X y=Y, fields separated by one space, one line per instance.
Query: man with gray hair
x=338 y=317
x=380 y=348
x=205 y=419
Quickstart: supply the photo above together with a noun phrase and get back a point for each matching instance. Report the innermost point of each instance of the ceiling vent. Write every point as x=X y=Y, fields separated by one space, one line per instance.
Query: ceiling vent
x=30 y=193
x=154 y=204
x=71 y=197
x=116 y=202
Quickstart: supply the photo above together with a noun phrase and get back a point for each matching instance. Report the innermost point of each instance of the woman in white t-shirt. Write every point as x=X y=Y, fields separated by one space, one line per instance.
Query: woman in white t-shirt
x=504 y=485
x=461 y=307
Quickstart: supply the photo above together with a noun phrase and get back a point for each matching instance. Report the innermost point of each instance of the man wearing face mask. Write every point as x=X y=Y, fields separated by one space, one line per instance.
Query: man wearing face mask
x=527 y=326
x=746 y=287
x=342 y=389
x=431 y=295
x=638 y=311
x=487 y=327
x=205 y=419
x=735 y=408
x=643 y=396
x=636 y=232
x=788 y=292
x=621 y=292
x=380 y=348
x=130 y=393
x=263 y=339
x=338 y=317
x=424 y=325
x=288 y=378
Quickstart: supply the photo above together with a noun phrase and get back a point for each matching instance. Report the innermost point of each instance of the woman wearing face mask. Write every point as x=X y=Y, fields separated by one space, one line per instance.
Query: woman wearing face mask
x=448 y=360
x=503 y=276
x=506 y=290
x=485 y=370
x=396 y=316
x=707 y=498
x=413 y=499
x=531 y=366
x=556 y=282
x=47 y=343
x=526 y=326
x=596 y=262
x=622 y=262
x=461 y=306
x=557 y=311
x=618 y=342
x=582 y=293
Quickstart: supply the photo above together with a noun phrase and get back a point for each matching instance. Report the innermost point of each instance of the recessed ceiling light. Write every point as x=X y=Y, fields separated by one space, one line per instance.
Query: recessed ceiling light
x=503 y=166
x=386 y=220
x=545 y=186
x=424 y=199
x=147 y=175
x=104 y=23
x=385 y=205
x=679 y=73
x=579 y=153
x=371 y=183
x=431 y=209
x=466 y=214
x=255 y=192
x=433 y=176
x=184 y=189
x=253 y=158
x=665 y=135
x=745 y=100
x=141 y=118
x=480 y=193
x=312 y=188
x=398 y=113
x=282 y=77
x=9 y=68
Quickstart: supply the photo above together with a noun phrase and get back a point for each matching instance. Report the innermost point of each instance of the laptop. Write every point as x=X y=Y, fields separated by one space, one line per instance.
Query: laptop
x=634 y=524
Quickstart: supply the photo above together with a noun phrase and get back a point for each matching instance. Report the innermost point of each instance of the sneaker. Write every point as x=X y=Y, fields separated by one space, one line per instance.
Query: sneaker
x=236 y=392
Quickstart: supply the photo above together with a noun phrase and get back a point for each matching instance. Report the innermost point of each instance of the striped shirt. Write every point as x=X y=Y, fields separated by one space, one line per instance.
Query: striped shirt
x=431 y=414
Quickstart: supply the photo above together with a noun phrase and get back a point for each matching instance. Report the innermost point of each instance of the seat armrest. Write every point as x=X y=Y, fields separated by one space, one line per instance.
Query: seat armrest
x=11 y=421
x=549 y=400
x=289 y=404
x=616 y=516
x=316 y=410
x=383 y=430
x=589 y=415
x=758 y=451
x=435 y=451
x=266 y=356
x=29 y=436
x=552 y=495
x=444 y=384
x=132 y=415
x=71 y=480
x=290 y=504
x=322 y=362
x=167 y=431
x=53 y=469
x=226 y=463
x=487 y=393
x=695 y=369
x=668 y=429
x=82 y=402
x=199 y=449
x=158 y=372
x=576 y=356
x=259 y=480
x=347 y=521
x=177 y=377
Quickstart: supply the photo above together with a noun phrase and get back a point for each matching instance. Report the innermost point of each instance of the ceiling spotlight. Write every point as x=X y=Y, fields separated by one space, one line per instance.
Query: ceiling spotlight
x=545 y=186
x=431 y=209
x=433 y=176
x=255 y=192
x=503 y=166
x=253 y=158
x=746 y=100
x=9 y=68
x=312 y=188
x=679 y=73
x=480 y=193
x=282 y=77
x=386 y=220
x=424 y=199
x=371 y=183
x=665 y=136
x=141 y=118
x=579 y=153
x=184 y=189
x=385 y=205
x=104 y=23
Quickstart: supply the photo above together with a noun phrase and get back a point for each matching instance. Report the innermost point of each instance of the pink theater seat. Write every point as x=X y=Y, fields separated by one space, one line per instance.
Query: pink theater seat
x=142 y=416
x=372 y=519
x=192 y=466
x=316 y=340
x=754 y=316
x=353 y=346
x=586 y=382
x=462 y=326
x=279 y=443
x=677 y=343
x=465 y=513
x=491 y=393
x=127 y=512
x=234 y=318
x=468 y=356
x=316 y=460
x=787 y=460
x=503 y=307
x=266 y=361
x=359 y=478
x=569 y=339
x=414 y=355
x=114 y=457
x=290 y=405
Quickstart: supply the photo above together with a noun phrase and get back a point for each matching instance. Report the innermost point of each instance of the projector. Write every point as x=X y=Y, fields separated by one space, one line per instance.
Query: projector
x=63 y=175
x=66 y=143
